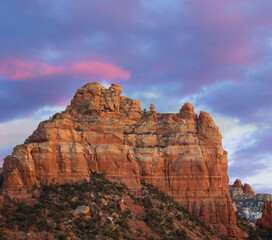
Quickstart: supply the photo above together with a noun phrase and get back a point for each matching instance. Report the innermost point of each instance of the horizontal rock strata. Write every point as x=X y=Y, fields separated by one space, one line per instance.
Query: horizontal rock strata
x=102 y=131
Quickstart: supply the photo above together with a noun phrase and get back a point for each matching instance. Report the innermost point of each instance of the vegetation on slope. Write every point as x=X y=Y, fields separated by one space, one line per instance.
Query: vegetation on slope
x=168 y=218
x=254 y=233
x=114 y=213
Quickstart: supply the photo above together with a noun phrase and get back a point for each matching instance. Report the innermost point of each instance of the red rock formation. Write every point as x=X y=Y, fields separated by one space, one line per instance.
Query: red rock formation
x=246 y=188
x=102 y=131
x=266 y=219
x=237 y=184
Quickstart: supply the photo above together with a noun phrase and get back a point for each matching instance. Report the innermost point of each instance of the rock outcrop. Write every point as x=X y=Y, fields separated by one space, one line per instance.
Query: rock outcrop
x=248 y=190
x=245 y=189
x=266 y=220
x=102 y=131
x=246 y=203
x=237 y=184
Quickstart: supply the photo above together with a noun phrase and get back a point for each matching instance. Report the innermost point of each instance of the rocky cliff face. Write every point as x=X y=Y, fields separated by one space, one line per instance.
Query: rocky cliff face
x=246 y=203
x=266 y=219
x=102 y=131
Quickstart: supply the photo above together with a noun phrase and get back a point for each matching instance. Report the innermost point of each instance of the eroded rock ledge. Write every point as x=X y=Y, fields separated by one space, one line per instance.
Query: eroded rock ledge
x=102 y=131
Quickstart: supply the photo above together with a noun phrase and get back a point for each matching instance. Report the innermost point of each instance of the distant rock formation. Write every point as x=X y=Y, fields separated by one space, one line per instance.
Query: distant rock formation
x=246 y=188
x=246 y=203
x=266 y=220
x=102 y=131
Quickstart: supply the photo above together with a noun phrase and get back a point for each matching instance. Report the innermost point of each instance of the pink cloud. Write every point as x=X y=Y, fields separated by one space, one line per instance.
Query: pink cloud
x=94 y=68
x=16 y=70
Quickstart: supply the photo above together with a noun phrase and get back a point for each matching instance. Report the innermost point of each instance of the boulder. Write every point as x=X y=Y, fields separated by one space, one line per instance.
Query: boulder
x=81 y=210
x=121 y=205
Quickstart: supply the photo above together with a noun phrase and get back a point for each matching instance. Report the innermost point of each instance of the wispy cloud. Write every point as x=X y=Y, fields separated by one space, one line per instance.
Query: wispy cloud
x=17 y=70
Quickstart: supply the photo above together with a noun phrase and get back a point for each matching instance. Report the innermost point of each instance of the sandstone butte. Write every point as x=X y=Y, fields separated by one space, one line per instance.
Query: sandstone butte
x=102 y=131
x=266 y=219
x=246 y=188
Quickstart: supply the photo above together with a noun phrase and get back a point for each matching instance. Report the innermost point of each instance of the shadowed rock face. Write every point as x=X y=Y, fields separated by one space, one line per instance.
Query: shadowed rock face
x=102 y=131
x=266 y=219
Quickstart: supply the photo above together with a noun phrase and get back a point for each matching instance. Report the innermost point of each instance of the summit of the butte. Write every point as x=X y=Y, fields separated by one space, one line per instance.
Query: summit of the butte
x=102 y=131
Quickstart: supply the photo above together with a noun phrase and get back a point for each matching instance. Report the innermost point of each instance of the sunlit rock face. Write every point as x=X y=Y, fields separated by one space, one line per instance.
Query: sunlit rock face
x=102 y=131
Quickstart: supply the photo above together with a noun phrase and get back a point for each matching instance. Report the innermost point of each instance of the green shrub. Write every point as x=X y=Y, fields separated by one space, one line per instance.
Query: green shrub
x=180 y=234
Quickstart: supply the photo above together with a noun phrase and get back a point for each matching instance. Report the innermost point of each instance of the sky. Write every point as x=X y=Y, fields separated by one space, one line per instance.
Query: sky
x=216 y=54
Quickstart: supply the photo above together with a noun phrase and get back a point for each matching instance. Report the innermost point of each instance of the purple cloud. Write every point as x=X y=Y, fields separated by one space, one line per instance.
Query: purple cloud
x=249 y=99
